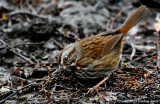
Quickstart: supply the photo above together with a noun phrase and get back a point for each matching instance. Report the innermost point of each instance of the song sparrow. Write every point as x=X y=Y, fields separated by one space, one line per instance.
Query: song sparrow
x=96 y=56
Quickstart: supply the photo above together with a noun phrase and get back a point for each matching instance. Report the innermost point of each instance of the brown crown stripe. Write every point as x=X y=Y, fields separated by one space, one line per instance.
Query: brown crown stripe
x=59 y=58
x=73 y=51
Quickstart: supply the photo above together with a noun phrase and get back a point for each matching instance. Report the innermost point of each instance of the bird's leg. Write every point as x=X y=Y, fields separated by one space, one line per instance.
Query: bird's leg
x=93 y=89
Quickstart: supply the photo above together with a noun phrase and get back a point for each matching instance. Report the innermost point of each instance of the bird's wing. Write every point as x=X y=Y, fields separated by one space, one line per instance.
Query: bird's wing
x=110 y=42
x=96 y=46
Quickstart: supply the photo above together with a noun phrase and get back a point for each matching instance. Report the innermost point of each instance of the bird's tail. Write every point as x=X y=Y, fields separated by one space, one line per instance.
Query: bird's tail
x=133 y=19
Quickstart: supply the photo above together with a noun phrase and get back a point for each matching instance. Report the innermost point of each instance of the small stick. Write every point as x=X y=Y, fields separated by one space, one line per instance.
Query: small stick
x=28 y=44
x=158 y=48
x=117 y=15
x=1 y=101
x=59 y=45
x=17 y=53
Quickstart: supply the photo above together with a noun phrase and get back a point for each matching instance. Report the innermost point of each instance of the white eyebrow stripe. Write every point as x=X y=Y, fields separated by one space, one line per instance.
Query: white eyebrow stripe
x=66 y=53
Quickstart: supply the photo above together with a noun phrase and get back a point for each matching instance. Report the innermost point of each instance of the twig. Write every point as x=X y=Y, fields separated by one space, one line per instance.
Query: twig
x=28 y=44
x=1 y=101
x=117 y=15
x=22 y=12
x=149 y=62
x=132 y=43
x=59 y=45
x=17 y=53
x=143 y=56
x=158 y=48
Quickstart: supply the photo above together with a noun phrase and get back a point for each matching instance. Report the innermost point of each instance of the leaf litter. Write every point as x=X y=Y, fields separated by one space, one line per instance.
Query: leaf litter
x=32 y=33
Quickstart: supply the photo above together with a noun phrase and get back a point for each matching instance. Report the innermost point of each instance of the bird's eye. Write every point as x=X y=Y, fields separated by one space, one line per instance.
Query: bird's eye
x=65 y=59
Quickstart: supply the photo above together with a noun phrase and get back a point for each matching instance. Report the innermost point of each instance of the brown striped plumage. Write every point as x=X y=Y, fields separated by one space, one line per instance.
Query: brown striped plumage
x=98 y=55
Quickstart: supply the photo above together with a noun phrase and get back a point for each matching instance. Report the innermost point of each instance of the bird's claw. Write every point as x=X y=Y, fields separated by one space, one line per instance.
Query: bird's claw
x=93 y=90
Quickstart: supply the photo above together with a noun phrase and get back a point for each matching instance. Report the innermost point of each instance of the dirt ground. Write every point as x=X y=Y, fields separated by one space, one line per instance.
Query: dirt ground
x=33 y=32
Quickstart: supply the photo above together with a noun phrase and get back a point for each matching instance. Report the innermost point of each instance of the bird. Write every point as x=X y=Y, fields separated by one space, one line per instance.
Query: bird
x=97 y=56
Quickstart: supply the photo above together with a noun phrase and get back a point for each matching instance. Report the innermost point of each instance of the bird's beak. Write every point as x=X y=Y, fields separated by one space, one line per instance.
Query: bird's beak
x=59 y=69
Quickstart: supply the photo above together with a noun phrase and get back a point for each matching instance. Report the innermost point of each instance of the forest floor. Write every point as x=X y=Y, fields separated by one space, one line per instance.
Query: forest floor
x=33 y=32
